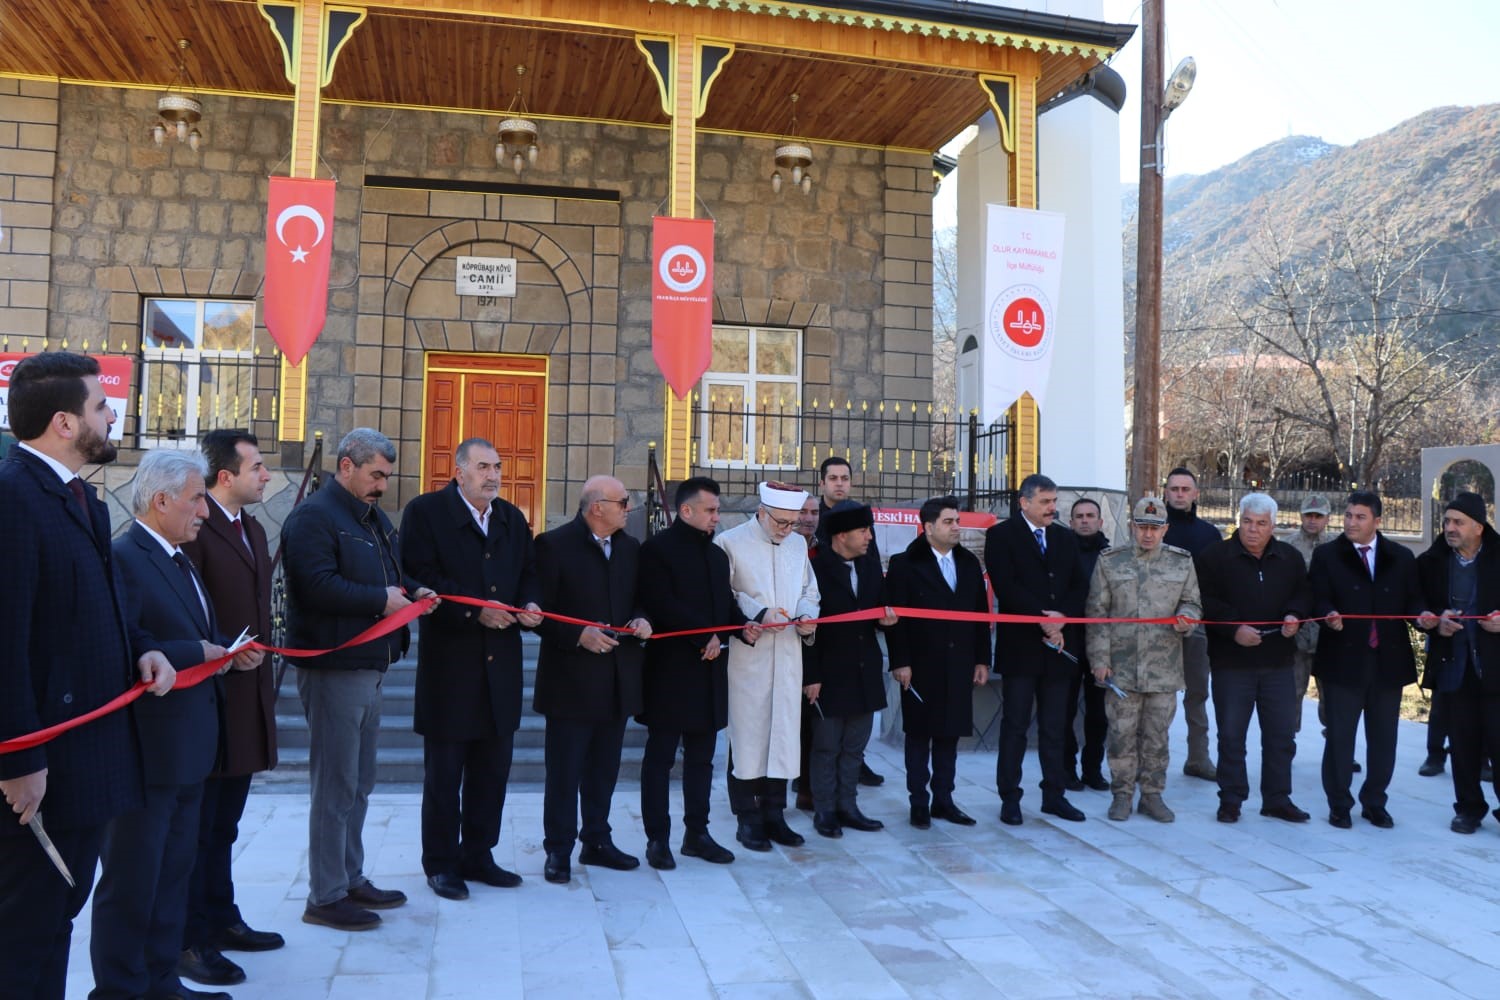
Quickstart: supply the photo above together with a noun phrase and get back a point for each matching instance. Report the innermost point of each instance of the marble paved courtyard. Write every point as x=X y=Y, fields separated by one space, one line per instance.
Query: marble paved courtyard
x=1047 y=909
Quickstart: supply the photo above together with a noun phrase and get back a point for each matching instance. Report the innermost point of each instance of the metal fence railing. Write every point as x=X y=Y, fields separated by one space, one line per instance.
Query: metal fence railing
x=1401 y=497
x=902 y=453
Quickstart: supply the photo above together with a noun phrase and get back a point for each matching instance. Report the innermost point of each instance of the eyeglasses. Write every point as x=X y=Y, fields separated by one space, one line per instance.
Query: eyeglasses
x=780 y=522
x=624 y=504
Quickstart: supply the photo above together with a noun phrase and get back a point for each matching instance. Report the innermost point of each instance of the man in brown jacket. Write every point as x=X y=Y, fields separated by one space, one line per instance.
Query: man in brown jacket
x=232 y=558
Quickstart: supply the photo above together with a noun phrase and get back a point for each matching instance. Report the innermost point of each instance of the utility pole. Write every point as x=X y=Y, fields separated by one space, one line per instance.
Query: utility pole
x=1145 y=426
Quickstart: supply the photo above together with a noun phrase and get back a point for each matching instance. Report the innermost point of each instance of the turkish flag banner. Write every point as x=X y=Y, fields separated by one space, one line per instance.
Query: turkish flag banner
x=299 y=247
x=682 y=305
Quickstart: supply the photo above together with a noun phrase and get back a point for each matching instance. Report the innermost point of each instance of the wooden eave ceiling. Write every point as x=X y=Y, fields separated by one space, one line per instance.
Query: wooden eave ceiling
x=461 y=61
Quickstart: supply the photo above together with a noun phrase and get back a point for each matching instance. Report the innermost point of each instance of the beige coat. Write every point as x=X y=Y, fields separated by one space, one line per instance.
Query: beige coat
x=765 y=680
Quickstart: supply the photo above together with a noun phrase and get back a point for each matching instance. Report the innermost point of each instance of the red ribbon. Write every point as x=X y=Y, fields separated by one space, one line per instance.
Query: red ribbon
x=197 y=674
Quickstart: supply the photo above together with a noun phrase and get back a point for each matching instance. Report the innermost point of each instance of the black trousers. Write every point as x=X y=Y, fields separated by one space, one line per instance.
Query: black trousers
x=1271 y=694
x=1380 y=704
x=211 y=885
x=1049 y=693
x=1473 y=738
x=1437 y=727
x=749 y=797
x=463 y=795
x=1095 y=723
x=37 y=909
x=656 y=780
x=141 y=907
x=943 y=752
x=583 y=764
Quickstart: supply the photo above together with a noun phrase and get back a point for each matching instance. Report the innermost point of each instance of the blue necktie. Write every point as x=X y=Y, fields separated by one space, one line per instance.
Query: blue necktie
x=1041 y=539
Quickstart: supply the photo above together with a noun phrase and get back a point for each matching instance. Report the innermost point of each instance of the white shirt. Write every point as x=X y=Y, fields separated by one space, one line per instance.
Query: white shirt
x=64 y=473
x=173 y=552
x=481 y=517
x=1369 y=557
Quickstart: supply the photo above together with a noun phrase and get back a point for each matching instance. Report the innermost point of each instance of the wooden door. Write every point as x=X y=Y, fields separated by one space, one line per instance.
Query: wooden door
x=502 y=398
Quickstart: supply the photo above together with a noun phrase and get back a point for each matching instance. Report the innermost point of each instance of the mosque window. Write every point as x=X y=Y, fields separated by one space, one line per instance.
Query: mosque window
x=199 y=360
x=749 y=408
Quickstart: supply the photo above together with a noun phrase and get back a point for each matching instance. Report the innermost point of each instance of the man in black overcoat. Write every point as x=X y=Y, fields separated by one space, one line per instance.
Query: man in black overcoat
x=1362 y=665
x=64 y=651
x=1460 y=580
x=937 y=662
x=588 y=679
x=684 y=586
x=140 y=910
x=1035 y=569
x=842 y=675
x=466 y=541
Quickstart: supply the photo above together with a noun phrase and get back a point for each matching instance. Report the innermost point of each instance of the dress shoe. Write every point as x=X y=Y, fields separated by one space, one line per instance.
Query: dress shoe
x=1063 y=809
x=1464 y=824
x=659 y=855
x=1073 y=783
x=1119 y=807
x=207 y=966
x=1287 y=811
x=1378 y=816
x=558 y=869
x=827 y=825
x=371 y=898
x=607 y=855
x=868 y=777
x=1201 y=769
x=1228 y=812
x=805 y=801
x=752 y=835
x=239 y=937
x=952 y=814
x=1152 y=806
x=921 y=817
x=489 y=873
x=701 y=845
x=186 y=993
x=342 y=915
x=1010 y=813
x=1097 y=781
x=1339 y=818
x=448 y=885
x=856 y=820
x=1432 y=766
x=778 y=831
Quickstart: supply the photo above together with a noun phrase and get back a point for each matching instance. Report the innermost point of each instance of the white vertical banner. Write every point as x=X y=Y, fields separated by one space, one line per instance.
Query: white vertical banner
x=1022 y=280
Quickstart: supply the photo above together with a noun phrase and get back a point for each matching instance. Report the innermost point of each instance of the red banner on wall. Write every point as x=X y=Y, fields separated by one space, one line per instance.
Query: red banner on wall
x=682 y=306
x=299 y=247
x=115 y=372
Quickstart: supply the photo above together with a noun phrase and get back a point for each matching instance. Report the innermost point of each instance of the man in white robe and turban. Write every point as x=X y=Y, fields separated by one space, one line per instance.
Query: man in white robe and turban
x=773 y=582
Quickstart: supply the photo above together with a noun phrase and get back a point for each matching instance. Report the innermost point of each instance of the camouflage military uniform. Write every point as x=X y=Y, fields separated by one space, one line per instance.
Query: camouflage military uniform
x=1307 y=636
x=1145 y=660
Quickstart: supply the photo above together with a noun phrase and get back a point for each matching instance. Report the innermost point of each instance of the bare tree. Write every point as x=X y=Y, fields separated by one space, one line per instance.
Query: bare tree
x=945 y=339
x=1359 y=316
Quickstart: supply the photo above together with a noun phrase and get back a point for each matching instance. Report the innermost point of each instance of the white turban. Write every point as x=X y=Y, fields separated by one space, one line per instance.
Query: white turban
x=782 y=499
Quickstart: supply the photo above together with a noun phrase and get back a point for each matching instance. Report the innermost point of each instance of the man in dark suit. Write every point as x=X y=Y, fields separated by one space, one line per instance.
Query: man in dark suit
x=234 y=563
x=1460 y=580
x=588 y=679
x=343 y=574
x=684 y=585
x=1362 y=666
x=141 y=908
x=1035 y=569
x=841 y=675
x=937 y=662
x=64 y=651
x=465 y=540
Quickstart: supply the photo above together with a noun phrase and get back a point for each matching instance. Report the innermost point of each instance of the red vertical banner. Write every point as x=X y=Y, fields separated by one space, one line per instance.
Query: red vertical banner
x=299 y=248
x=682 y=305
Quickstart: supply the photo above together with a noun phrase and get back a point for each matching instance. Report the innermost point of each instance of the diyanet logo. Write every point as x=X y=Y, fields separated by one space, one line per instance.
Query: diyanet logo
x=1018 y=322
x=682 y=268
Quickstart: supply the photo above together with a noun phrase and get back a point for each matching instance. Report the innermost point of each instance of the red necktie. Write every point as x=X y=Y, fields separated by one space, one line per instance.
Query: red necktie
x=1364 y=557
x=76 y=485
x=243 y=537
